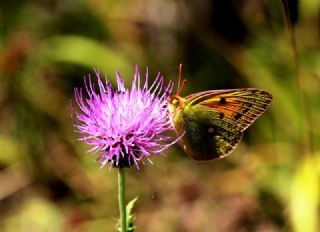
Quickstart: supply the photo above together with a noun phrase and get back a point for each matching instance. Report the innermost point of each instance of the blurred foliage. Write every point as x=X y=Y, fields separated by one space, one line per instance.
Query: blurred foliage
x=271 y=181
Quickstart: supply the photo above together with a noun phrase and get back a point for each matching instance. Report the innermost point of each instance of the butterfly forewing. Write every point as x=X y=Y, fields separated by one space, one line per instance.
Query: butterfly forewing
x=240 y=106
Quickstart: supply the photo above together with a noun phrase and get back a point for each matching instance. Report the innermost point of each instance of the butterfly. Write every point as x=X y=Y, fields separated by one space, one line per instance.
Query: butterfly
x=211 y=123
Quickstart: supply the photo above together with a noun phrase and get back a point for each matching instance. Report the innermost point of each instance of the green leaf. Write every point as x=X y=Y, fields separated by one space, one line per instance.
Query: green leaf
x=129 y=208
x=130 y=226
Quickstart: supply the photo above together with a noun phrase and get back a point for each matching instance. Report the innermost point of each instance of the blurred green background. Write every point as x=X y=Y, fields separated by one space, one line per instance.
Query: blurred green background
x=271 y=181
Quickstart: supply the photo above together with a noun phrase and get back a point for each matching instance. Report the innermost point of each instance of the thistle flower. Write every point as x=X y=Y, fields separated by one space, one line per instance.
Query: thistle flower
x=125 y=126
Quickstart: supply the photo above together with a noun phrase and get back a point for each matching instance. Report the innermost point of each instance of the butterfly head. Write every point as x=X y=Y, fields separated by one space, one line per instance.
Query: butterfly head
x=175 y=105
x=175 y=102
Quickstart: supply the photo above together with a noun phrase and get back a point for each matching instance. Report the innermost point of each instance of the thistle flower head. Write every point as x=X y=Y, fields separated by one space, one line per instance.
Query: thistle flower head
x=125 y=126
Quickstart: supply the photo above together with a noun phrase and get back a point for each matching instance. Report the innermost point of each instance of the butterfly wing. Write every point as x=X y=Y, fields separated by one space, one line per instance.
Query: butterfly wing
x=241 y=106
x=213 y=121
x=206 y=136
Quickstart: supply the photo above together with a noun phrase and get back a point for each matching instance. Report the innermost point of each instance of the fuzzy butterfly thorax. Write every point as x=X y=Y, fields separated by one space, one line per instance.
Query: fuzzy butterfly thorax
x=211 y=123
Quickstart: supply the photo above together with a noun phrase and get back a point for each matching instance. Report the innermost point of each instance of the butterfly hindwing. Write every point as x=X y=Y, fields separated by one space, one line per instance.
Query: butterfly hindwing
x=206 y=136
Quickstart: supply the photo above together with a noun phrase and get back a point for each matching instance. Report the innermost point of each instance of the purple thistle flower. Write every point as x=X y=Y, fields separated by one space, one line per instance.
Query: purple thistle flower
x=125 y=126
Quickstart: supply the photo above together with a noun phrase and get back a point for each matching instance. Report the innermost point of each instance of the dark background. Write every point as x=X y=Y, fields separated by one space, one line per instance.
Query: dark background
x=270 y=182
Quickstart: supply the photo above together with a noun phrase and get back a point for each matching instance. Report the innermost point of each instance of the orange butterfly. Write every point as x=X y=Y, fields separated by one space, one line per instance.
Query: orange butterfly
x=212 y=122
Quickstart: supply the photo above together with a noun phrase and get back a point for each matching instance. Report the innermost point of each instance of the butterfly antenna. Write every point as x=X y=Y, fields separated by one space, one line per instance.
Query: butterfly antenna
x=180 y=84
x=179 y=80
x=183 y=85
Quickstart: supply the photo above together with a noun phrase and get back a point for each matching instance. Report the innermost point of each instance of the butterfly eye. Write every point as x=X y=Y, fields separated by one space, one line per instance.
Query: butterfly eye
x=175 y=101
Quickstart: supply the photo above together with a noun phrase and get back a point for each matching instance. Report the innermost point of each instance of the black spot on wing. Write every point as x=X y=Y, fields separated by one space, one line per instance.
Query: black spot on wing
x=243 y=112
x=222 y=100
x=237 y=116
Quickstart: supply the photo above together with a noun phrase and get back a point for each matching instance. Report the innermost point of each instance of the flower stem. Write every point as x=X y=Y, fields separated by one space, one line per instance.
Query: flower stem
x=121 y=198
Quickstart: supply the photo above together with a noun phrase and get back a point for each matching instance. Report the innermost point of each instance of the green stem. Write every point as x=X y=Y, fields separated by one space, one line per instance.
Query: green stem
x=121 y=196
